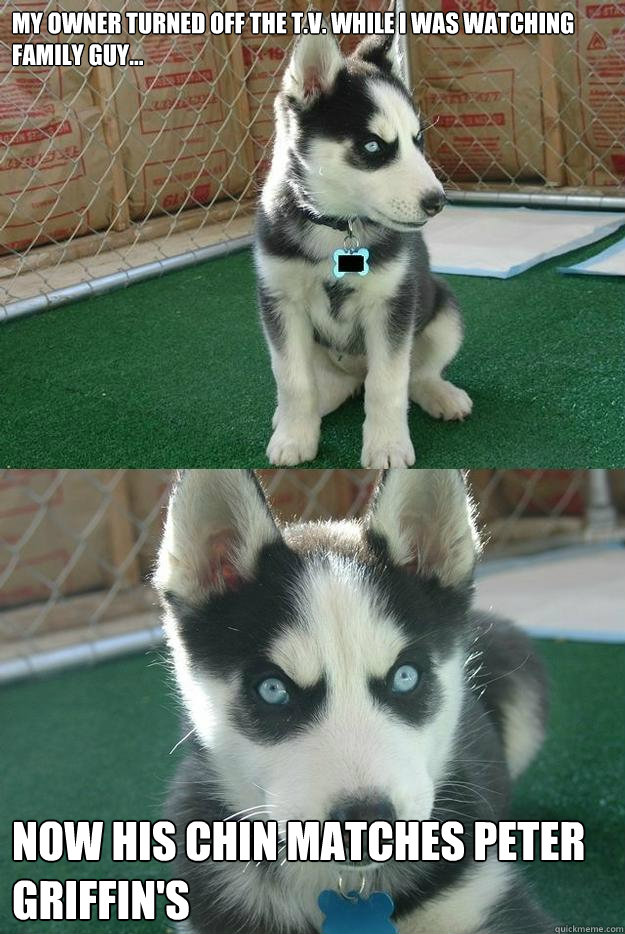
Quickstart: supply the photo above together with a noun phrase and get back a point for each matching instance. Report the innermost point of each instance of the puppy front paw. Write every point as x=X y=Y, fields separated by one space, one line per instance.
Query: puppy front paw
x=380 y=449
x=441 y=399
x=293 y=442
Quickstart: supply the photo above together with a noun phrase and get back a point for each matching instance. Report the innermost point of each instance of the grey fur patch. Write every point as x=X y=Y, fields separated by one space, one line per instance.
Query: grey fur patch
x=337 y=292
x=271 y=317
x=517 y=913
x=402 y=312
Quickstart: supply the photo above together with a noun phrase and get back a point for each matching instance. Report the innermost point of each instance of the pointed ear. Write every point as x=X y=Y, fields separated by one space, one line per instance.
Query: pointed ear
x=312 y=70
x=217 y=522
x=383 y=52
x=427 y=520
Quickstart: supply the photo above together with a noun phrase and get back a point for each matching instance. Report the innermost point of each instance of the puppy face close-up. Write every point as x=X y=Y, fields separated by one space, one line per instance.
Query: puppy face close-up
x=355 y=136
x=323 y=664
x=337 y=672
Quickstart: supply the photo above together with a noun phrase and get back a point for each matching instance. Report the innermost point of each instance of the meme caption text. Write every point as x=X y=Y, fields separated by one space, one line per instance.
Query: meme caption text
x=245 y=841
x=264 y=23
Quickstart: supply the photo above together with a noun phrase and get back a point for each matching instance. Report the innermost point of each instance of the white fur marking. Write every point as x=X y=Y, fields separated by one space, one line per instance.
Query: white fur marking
x=523 y=729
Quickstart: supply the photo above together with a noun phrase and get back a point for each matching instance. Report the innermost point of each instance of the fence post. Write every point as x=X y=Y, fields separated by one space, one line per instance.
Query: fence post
x=600 y=511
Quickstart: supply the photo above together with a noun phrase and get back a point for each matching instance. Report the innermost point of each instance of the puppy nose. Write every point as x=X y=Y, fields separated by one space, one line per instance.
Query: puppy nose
x=368 y=809
x=433 y=202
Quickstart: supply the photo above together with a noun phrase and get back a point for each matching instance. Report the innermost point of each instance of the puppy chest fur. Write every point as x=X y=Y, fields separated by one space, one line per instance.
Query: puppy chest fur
x=339 y=310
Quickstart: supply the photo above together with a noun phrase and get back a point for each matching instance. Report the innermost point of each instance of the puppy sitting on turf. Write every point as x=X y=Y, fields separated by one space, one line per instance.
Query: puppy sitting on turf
x=337 y=672
x=345 y=289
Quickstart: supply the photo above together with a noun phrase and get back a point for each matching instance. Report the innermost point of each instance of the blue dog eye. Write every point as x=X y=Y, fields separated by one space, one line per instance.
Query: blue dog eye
x=273 y=691
x=372 y=146
x=405 y=679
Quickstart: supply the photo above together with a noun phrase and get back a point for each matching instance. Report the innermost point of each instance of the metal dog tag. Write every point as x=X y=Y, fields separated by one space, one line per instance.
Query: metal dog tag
x=353 y=914
x=353 y=257
x=351 y=261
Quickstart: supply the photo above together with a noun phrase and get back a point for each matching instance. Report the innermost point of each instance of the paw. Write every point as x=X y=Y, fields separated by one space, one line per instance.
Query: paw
x=441 y=399
x=380 y=451
x=292 y=443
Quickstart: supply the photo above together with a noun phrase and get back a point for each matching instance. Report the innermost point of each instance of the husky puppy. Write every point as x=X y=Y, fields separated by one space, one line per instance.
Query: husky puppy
x=337 y=671
x=349 y=149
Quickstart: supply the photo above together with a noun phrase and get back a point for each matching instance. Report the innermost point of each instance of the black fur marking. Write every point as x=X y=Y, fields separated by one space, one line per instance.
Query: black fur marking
x=516 y=907
x=370 y=161
x=433 y=617
x=377 y=51
x=388 y=246
x=343 y=114
x=267 y=723
x=233 y=630
x=272 y=319
x=353 y=346
x=442 y=294
x=337 y=292
x=283 y=237
x=356 y=345
x=428 y=612
x=320 y=339
x=402 y=311
x=419 y=705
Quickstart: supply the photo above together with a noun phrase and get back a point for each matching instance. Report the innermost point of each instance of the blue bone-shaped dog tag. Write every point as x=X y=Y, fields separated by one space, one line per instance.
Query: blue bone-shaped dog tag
x=351 y=261
x=356 y=915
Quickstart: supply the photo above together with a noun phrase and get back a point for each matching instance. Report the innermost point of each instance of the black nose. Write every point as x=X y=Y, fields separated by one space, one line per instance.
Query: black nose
x=367 y=809
x=433 y=202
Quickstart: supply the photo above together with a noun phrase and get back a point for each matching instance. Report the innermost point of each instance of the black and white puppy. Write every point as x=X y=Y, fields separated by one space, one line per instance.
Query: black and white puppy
x=349 y=145
x=333 y=668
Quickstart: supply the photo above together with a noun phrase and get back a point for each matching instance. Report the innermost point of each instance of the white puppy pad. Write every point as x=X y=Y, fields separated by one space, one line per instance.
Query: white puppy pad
x=504 y=242
x=610 y=262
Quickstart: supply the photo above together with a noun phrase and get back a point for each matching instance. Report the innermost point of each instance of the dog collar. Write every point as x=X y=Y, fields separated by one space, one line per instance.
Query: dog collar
x=335 y=223
x=352 y=258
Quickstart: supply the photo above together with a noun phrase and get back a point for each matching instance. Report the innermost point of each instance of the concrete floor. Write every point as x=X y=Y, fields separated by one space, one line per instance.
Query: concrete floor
x=576 y=593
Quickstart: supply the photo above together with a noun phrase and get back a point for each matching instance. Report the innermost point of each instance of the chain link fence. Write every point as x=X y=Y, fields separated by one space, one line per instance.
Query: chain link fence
x=109 y=175
x=77 y=546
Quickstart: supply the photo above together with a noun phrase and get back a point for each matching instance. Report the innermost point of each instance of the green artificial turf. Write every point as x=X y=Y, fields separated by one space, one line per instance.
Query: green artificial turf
x=94 y=744
x=174 y=372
